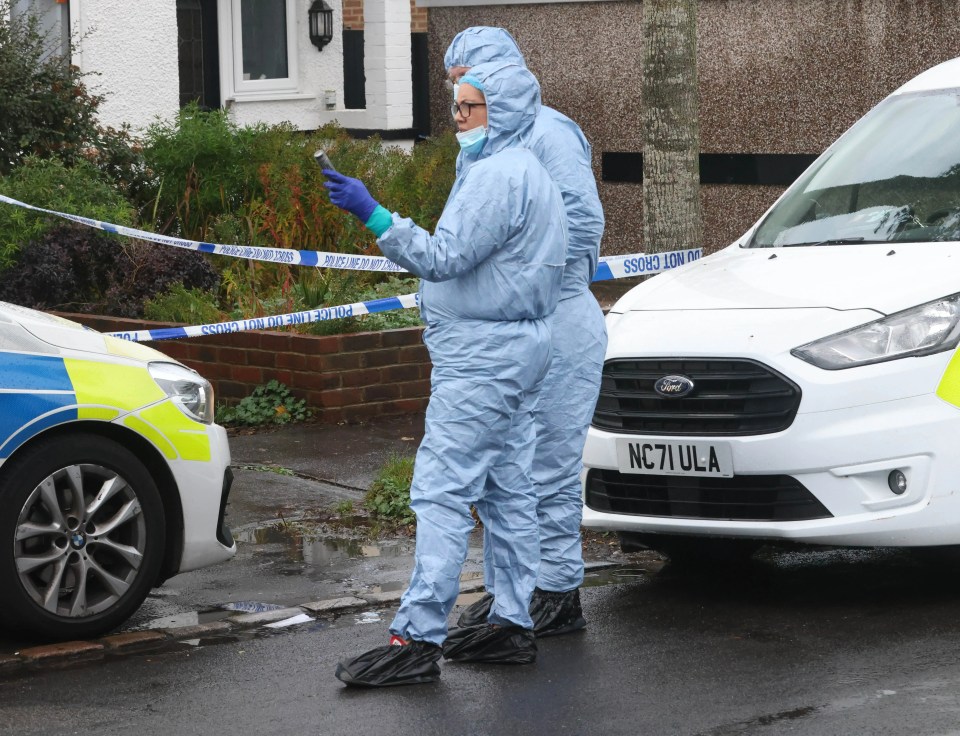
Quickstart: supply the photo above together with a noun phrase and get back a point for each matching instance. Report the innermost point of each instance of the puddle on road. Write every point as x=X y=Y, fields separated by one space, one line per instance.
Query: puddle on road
x=187 y=618
x=597 y=574
x=299 y=553
x=291 y=552
x=615 y=575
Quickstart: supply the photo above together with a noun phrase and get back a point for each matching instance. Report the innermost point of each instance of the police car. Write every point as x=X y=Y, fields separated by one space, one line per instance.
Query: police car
x=804 y=382
x=113 y=476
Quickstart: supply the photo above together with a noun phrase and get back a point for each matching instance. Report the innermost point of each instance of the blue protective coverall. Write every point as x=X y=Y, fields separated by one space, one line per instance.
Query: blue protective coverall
x=569 y=394
x=491 y=275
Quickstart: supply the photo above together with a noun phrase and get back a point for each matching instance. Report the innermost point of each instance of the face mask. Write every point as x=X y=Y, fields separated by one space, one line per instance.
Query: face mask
x=471 y=141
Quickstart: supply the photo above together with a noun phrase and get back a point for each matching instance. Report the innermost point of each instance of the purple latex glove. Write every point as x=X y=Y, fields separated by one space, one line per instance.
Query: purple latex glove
x=350 y=194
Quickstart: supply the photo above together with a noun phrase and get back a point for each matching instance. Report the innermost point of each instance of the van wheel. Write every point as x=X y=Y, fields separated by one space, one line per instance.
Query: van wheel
x=81 y=537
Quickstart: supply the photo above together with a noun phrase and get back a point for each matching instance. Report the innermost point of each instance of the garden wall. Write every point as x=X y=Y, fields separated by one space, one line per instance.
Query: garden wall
x=343 y=378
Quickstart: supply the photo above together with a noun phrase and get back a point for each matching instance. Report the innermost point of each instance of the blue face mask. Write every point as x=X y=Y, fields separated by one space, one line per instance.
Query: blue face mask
x=471 y=141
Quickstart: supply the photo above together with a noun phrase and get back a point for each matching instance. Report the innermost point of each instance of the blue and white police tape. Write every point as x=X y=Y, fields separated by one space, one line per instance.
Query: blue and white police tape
x=644 y=264
x=407 y=301
x=272 y=255
x=610 y=267
x=615 y=267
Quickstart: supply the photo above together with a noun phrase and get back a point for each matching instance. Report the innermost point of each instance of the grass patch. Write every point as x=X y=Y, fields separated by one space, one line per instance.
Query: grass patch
x=389 y=496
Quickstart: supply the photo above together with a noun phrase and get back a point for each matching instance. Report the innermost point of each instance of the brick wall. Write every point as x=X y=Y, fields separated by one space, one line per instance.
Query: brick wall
x=347 y=378
x=353 y=16
x=418 y=18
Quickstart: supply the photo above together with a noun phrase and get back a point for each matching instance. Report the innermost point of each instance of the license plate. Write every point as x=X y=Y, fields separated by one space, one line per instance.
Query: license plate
x=670 y=457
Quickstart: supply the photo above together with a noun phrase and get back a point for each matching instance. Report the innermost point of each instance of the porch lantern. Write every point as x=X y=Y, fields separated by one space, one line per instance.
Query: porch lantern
x=321 y=24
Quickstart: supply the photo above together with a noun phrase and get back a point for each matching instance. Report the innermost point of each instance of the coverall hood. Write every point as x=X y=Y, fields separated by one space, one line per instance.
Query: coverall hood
x=513 y=101
x=481 y=45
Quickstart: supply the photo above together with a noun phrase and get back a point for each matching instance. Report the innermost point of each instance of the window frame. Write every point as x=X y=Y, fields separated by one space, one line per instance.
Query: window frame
x=231 y=55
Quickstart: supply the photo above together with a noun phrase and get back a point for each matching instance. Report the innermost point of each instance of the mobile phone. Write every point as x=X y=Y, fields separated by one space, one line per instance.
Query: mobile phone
x=323 y=159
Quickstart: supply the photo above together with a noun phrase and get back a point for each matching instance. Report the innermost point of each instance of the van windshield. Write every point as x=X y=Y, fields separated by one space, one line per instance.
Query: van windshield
x=893 y=177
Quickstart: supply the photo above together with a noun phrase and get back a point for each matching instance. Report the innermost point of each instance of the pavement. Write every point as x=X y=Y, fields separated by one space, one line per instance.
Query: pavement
x=281 y=574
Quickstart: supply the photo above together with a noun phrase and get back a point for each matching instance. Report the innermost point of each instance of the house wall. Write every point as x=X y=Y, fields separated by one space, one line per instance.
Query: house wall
x=319 y=71
x=131 y=49
x=353 y=16
x=775 y=77
x=419 y=18
x=389 y=97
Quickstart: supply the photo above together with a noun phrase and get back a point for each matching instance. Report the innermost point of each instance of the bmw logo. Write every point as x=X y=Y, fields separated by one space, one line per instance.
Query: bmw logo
x=673 y=386
x=78 y=540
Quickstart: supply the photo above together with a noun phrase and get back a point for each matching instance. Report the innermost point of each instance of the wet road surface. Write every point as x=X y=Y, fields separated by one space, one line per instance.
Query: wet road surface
x=801 y=642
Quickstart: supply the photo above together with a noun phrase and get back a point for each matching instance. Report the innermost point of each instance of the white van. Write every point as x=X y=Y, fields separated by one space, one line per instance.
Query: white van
x=804 y=382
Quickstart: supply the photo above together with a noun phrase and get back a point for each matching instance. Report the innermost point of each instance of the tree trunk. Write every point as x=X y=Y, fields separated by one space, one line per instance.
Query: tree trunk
x=672 y=217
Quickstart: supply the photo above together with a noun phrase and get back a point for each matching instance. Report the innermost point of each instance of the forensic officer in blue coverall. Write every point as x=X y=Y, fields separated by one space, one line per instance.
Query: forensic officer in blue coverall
x=570 y=390
x=491 y=275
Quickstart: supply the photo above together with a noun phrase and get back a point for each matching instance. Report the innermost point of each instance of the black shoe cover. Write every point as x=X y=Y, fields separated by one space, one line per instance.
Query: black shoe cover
x=476 y=613
x=411 y=664
x=491 y=644
x=556 y=613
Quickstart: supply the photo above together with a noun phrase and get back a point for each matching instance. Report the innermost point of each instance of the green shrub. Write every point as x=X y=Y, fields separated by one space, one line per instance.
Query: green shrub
x=394 y=319
x=180 y=304
x=47 y=111
x=79 y=269
x=206 y=167
x=203 y=177
x=270 y=403
x=420 y=186
x=389 y=494
x=295 y=212
x=77 y=190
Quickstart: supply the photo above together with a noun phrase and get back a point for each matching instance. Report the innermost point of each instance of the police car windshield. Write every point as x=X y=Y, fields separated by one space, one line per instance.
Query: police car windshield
x=893 y=177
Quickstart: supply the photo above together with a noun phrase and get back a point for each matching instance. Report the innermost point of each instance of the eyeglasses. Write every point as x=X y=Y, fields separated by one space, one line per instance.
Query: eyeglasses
x=464 y=108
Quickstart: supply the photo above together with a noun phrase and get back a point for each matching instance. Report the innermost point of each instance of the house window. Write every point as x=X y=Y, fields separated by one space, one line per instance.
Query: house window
x=263 y=44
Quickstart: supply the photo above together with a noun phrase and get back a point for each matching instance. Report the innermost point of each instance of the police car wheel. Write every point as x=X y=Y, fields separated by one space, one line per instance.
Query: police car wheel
x=81 y=536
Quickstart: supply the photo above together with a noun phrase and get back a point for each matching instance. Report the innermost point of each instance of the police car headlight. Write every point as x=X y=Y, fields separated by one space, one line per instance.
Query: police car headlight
x=190 y=391
x=929 y=328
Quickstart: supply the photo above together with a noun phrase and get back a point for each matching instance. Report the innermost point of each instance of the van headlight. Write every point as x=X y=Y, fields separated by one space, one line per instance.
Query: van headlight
x=930 y=328
x=190 y=391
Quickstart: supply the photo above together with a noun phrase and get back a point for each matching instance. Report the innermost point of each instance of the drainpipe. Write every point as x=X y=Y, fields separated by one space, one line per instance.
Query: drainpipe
x=72 y=34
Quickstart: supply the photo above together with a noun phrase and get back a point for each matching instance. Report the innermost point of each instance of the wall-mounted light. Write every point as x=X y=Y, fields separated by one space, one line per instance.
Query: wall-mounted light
x=321 y=24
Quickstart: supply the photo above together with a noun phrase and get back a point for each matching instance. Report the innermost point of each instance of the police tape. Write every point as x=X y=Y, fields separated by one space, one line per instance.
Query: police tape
x=609 y=267
x=321 y=314
x=286 y=256
x=616 y=267
x=644 y=264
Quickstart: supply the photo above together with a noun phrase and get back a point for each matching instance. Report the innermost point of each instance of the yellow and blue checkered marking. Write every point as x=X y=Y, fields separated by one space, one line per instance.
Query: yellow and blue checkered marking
x=41 y=391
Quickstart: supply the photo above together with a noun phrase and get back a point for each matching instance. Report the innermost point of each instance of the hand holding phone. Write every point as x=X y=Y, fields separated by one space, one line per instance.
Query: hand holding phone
x=323 y=160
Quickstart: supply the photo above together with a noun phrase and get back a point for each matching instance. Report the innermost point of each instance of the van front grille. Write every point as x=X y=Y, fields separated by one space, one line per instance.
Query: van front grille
x=729 y=397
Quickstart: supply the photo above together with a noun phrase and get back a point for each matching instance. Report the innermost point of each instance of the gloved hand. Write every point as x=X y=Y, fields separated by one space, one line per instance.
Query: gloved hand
x=350 y=194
